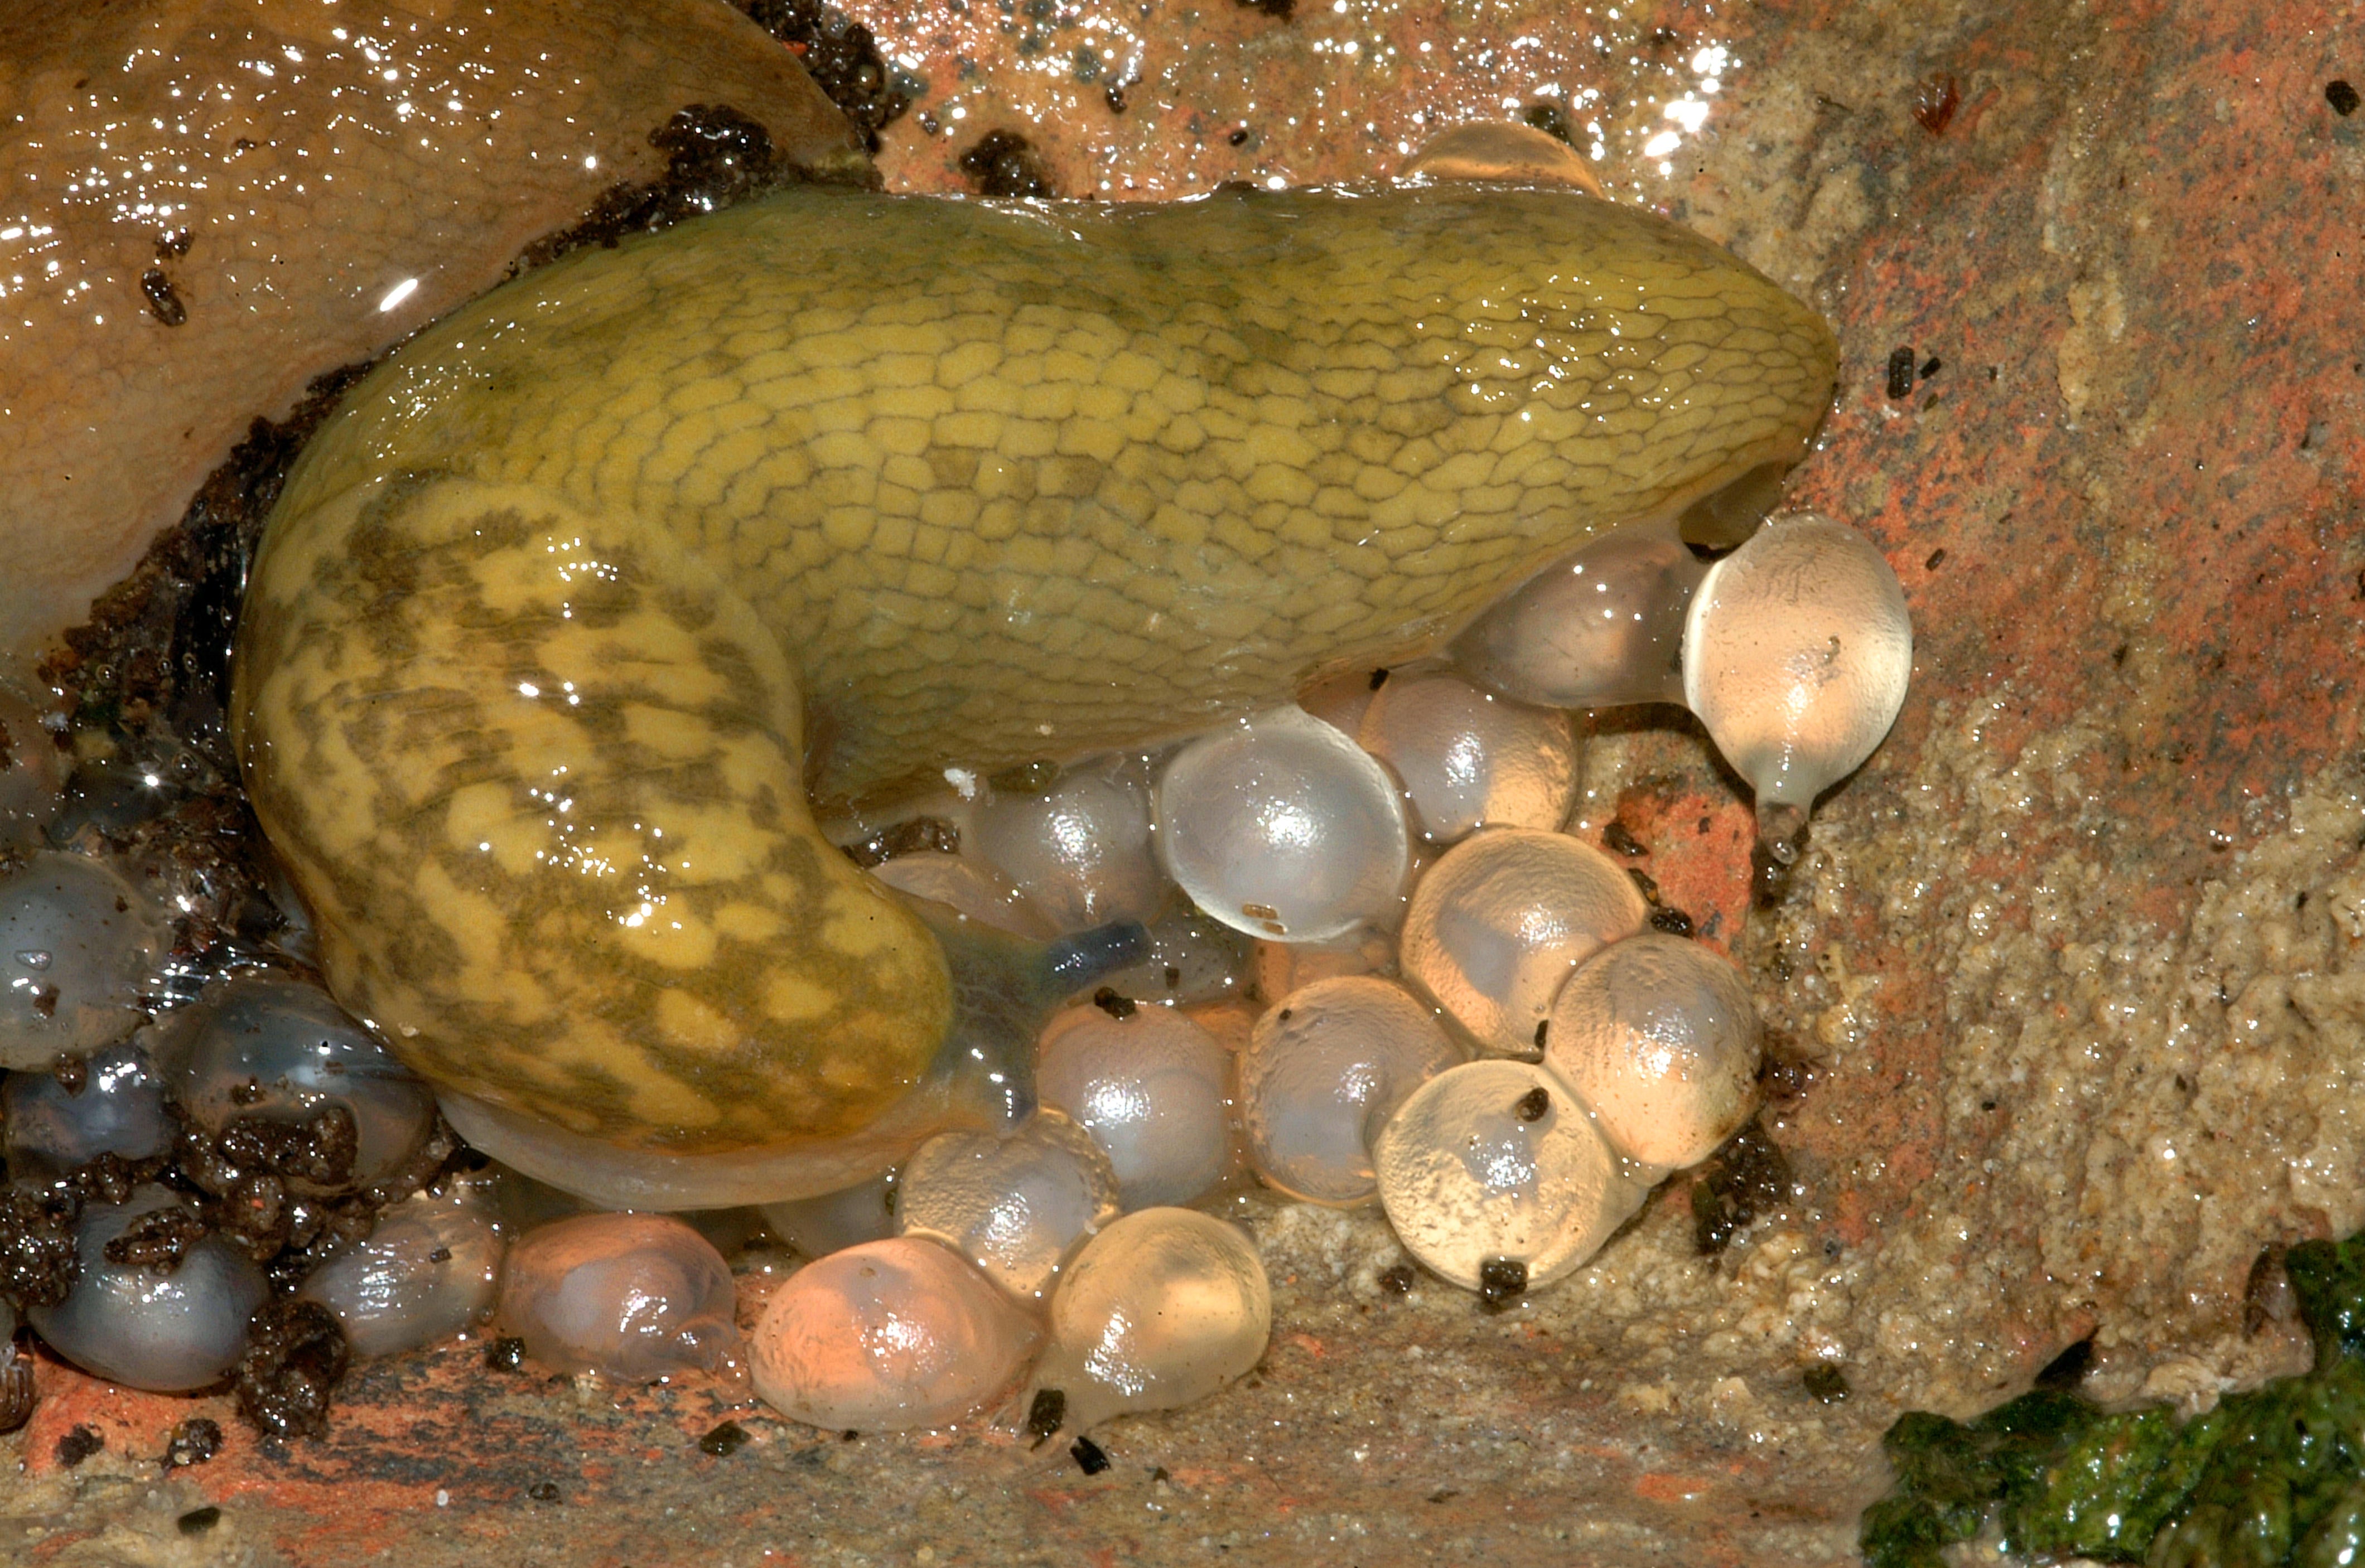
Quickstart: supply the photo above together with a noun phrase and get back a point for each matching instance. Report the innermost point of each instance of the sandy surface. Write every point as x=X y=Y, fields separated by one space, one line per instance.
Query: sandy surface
x=2076 y=957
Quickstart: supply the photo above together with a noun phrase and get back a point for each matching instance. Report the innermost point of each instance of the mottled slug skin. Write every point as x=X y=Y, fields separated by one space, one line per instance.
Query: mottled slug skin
x=519 y=685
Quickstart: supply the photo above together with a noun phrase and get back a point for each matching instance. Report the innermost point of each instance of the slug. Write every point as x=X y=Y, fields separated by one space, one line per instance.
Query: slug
x=582 y=598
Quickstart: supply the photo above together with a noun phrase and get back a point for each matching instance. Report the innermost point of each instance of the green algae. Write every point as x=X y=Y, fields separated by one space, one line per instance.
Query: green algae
x=2269 y=1477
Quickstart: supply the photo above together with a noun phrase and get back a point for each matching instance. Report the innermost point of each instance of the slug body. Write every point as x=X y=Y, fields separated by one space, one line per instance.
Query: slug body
x=562 y=621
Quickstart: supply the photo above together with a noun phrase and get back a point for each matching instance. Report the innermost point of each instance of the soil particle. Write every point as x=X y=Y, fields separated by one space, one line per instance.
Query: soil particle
x=1501 y=1282
x=17 y=1394
x=158 y=1240
x=193 y=1441
x=843 y=59
x=715 y=156
x=505 y=1354
x=1003 y=163
x=2341 y=97
x=916 y=835
x=727 y=1438
x=1934 y=105
x=1088 y=1456
x=198 y=1521
x=163 y=302
x=38 y=1263
x=1748 y=1177
x=294 y=1354
x=1110 y=1002
x=1826 y=1382
x=78 y=1445
x=1618 y=836
x=1047 y=1414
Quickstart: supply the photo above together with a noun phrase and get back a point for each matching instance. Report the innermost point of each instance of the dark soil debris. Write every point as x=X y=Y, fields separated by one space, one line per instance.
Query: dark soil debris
x=1501 y=1282
x=37 y=1243
x=193 y=1441
x=1088 y=1456
x=1618 y=836
x=1748 y=1177
x=505 y=1354
x=17 y=1394
x=1116 y=1006
x=2342 y=97
x=727 y=1438
x=78 y=1445
x=842 y=57
x=198 y=1521
x=1047 y=1414
x=158 y=1240
x=164 y=303
x=1671 y=922
x=294 y=1354
x=715 y=156
x=1826 y=1382
x=1397 y=1279
x=1003 y=163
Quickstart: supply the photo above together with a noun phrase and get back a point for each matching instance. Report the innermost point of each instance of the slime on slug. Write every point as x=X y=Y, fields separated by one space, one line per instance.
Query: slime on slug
x=547 y=614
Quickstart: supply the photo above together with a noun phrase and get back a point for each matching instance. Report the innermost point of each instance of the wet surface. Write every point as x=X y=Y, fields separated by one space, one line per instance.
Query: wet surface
x=2071 y=972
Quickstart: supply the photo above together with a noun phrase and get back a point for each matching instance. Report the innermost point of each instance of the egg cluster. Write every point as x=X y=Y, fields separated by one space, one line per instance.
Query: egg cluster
x=223 y=1179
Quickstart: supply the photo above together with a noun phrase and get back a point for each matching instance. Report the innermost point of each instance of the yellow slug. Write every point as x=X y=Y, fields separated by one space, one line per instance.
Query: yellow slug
x=562 y=619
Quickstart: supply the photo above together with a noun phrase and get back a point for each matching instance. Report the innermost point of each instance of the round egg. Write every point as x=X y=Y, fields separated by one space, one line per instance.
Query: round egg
x=1080 y=848
x=1012 y=1205
x=1600 y=627
x=634 y=1297
x=78 y=945
x=818 y=1227
x=1659 y=1038
x=1153 y=1090
x=427 y=1270
x=1470 y=759
x=117 y=1107
x=1493 y=1176
x=1797 y=652
x=886 y=1336
x=1162 y=1308
x=167 y=1330
x=1281 y=826
x=1323 y=1071
x=1496 y=926
x=257 y=1046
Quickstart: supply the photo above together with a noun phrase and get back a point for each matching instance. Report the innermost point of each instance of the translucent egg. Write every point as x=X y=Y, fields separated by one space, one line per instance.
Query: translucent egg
x=1284 y=966
x=1502 y=150
x=77 y=946
x=133 y=1323
x=820 y=1225
x=283 y=1050
x=1162 y=1309
x=118 y=1110
x=1469 y=759
x=1498 y=924
x=1659 y=1038
x=1080 y=849
x=1601 y=627
x=1493 y=1176
x=1796 y=653
x=425 y=1272
x=886 y=1336
x=1152 y=1089
x=632 y=1297
x=1193 y=957
x=975 y=889
x=1013 y=1205
x=1283 y=827
x=1321 y=1075
x=32 y=772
